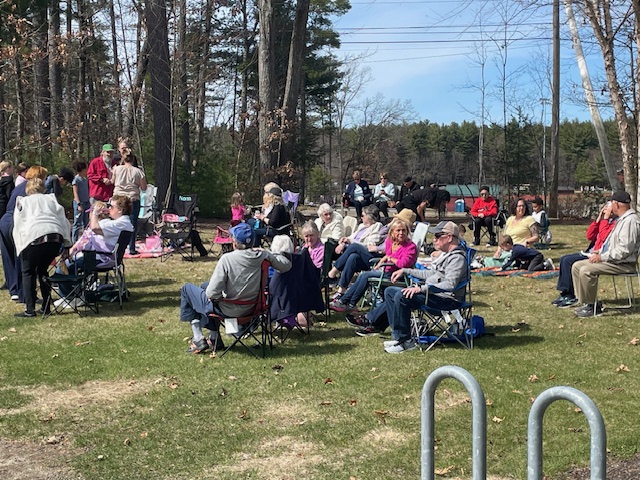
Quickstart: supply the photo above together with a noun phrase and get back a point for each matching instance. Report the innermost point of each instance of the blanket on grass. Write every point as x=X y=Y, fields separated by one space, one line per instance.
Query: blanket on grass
x=497 y=272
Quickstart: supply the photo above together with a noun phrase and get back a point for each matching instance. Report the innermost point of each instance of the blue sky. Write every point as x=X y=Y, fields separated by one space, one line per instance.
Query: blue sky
x=422 y=51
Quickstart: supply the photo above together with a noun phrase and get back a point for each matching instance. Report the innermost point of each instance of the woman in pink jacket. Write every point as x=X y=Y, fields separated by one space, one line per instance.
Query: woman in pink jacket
x=400 y=251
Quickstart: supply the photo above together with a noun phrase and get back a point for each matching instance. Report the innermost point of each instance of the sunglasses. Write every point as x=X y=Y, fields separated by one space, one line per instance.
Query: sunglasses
x=440 y=235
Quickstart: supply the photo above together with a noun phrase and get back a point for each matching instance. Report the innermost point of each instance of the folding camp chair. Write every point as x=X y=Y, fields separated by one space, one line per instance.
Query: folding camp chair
x=253 y=326
x=628 y=278
x=292 y=292
x=420 y=234
x=114 y=286
x=350 y=225
x=431 y=326
x=291 y=200
x=147 y=218
x=179 y=224
x=78 y=284
x=223 y=240
x=327 y=264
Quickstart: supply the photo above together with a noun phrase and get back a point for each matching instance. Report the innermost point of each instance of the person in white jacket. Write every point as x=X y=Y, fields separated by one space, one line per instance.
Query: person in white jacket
x=40 y=230
x=329 y=223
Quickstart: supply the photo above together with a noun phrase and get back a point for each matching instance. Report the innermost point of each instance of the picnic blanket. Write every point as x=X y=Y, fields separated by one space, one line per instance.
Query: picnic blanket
x=149 y=250
x=497 y=272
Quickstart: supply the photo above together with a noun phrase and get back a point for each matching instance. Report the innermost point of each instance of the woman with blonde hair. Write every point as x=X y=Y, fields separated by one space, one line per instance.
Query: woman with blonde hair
x=40 y=230
x=274 y=215
x=10 y=261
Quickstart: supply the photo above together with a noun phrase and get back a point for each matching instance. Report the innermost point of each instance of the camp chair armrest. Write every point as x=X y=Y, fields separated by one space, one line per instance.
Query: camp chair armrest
x=434 y=289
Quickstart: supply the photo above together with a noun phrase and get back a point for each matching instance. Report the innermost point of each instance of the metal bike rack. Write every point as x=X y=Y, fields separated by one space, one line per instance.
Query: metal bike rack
x=478 y=419
x=596 y=425
x=534 y=427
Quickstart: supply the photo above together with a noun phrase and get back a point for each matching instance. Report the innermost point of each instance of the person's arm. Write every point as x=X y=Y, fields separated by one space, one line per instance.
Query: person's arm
x=492 y=209
x=626 y=244
x=475 y=207
x=533 y=229
x=217 y=281
x=377 y=190
x=76 y=197
x=366 y=191
x=279 y=262
x=93 y=174
x=404 y=257
x=143 y=182
x=94 y=221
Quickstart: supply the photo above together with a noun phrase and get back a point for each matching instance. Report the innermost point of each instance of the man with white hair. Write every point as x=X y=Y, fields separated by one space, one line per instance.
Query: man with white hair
x=236 y=277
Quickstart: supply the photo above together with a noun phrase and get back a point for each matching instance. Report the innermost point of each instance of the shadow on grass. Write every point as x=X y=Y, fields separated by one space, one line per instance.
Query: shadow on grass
x=150 y=283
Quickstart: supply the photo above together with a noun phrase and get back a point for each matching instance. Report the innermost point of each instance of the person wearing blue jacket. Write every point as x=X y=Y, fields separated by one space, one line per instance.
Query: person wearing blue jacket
x=357 y=194
x=523 y=257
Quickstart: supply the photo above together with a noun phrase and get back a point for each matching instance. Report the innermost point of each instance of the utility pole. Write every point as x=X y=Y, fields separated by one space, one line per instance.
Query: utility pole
x=555 y=111
x=543 y=166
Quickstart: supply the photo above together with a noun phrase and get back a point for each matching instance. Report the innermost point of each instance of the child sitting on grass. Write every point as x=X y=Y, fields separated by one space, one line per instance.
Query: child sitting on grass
x=524 y=257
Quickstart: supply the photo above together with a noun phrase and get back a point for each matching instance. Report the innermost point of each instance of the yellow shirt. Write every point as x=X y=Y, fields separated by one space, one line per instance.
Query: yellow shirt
x=519 y=231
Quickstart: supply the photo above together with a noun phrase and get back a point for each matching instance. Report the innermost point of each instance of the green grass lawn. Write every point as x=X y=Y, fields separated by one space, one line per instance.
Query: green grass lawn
x=114 y=396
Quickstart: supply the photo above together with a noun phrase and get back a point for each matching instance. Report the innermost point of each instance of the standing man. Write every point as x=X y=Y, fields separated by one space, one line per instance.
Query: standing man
x=383 y=194
x=619 y=254
x=407 y=187
x=99 y=175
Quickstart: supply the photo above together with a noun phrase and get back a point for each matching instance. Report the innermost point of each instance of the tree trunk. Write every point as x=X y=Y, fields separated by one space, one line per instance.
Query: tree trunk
x=41 y=78
x=20 y=100
x=294 y=80
x=3 y=133
x=183 y=114
x=598 y=124
x=605 y=34
x=203 y=67
x=136 y=90
x=267 y=124
x=116 y=66
x=160 y=72
x=68 y=81
x=55 y=75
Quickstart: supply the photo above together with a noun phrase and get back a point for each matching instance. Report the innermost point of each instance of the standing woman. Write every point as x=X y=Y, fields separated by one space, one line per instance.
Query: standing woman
x=40 y=230
x=128 y=180
x=10 y=260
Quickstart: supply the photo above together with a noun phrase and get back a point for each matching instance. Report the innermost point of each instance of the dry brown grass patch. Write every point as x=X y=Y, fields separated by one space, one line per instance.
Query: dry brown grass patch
x=21 y=460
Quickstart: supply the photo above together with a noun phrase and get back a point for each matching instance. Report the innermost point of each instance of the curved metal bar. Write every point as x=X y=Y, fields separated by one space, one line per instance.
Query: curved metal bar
x=596 y=425
x=478 y=425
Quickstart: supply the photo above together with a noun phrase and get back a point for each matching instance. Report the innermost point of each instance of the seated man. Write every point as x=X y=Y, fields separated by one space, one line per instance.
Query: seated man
x=597 y=234
x=236 y=277
x=446 y=272
x=484 y=212
x=619 y=254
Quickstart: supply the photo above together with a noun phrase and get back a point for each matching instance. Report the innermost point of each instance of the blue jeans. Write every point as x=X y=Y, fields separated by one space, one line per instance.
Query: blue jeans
x=399 y=309
x=135 y=211
x=354 y=259
x=565 y=283
x=195 y=305
x=359 y=287
x=80 y=220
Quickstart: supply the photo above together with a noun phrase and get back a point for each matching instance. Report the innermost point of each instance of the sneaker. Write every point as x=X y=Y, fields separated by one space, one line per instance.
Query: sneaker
x=368 y=331
x=400 y=347
x=493 y=242
x=390 y=343
x=338 y=306
x=25 y=315
x=15 y=298
x=548 y=264
x=589 y=310
x=567 y=302
x=358 y=321
x=198 y=347
x=134 y=253
x=336 y=296
x=559 y=300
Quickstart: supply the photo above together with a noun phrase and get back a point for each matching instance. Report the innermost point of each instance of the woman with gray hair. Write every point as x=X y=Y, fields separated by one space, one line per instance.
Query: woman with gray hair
x=357 y=250
x=329 y=223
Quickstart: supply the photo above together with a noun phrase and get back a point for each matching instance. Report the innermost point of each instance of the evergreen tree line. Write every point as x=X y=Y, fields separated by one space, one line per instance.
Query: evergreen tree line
x=179 y=80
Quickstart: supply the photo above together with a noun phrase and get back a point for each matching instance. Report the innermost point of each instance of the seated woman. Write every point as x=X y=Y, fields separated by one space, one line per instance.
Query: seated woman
x=273 y=216
x=522 y=229
x=400 y=251
x=108 y=229
x=40 y=231
x=329 y=223
x=312 y=243
x=357 y=250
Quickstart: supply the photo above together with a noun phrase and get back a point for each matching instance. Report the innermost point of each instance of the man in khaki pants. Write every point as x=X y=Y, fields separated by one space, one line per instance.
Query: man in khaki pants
x=619 y=254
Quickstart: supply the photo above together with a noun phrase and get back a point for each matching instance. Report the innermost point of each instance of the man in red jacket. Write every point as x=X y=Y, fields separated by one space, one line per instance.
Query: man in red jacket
x=484 y=211
x=99 y=175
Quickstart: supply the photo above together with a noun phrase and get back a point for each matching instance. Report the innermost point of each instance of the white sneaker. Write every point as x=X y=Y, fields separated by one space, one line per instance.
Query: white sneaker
x=390 y=343
x=401 y=347
x=15 y=298
x=59 y=302
x=550 y=265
